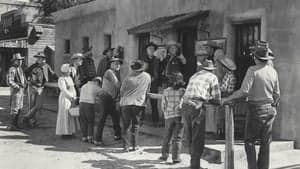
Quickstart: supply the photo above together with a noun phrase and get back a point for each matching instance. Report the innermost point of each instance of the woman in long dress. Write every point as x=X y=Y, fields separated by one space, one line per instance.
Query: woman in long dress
x=66 y=124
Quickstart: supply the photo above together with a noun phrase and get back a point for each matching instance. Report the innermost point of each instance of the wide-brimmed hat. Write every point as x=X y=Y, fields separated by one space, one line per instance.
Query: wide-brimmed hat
x=115 y=59
x=107 y=50
x=261 y=53
x=76 y=56
x=264 y=44
x=17 y=56
x=40 y=55
x=208 y=65
x=137 y=65
x=151 y=44
x=228 y=63
x=65 y=68
x=173 y=43
x=87 y=49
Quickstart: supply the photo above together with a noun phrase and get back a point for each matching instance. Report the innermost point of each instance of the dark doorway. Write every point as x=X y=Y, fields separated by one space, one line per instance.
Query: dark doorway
x=246 y=34
x=144 y=39
x=187 y=38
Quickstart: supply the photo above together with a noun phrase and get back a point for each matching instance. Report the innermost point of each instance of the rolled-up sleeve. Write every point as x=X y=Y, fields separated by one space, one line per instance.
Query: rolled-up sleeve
x=247 y=82
x=215 y=90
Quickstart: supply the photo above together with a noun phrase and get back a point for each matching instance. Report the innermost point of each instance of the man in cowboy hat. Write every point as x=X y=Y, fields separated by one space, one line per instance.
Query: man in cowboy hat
x=76 y=61
x=175 y=61
x=152 y=67
x=104 y=63
x=203 y=87
x=261 y=88
x=87 y=70
x=212 y=46
x=133 y=100
x=229 y=80
x=37 y=75
x=112 y=84
x=16 y=81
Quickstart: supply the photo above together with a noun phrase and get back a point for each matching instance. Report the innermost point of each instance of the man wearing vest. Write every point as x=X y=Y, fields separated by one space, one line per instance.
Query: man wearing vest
x=38 y=75
x=261 y=87
x=16 y=81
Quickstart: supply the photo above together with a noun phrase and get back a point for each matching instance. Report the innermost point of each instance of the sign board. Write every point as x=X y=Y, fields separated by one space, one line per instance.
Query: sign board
x=14 y=43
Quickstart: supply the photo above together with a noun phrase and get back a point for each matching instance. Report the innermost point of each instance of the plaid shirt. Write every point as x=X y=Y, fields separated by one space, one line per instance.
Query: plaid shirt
x=228 y=83
x=203 y=86
x=171 y=101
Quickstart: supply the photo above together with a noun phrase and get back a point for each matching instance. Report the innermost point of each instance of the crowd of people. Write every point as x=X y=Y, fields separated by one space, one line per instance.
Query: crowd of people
x=88 y=96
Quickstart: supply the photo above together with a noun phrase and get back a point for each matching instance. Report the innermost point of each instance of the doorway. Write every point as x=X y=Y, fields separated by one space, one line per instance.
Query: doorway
x=246 y=34
x=187 y=38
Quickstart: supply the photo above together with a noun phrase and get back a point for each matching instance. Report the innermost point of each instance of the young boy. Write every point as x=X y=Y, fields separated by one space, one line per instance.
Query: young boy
x=87 y=101
x=171 y=99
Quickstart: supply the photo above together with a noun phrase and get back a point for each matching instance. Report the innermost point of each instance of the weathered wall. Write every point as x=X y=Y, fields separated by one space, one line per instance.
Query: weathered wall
x=94 y=26
x=46 y=38
x=280 y=26
x=29 y=9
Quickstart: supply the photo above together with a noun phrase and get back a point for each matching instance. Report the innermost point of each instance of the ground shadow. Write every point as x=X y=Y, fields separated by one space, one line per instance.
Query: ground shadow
x=296 y=166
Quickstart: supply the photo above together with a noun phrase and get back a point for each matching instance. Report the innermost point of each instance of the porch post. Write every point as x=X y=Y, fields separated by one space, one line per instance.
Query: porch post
x=229 y=137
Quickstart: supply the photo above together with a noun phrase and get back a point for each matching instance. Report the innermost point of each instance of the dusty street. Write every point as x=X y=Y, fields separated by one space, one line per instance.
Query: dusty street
x=40 y=149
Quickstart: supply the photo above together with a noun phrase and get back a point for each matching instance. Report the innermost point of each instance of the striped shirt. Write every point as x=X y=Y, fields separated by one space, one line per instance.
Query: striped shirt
x=202 y=86
x=171 y=101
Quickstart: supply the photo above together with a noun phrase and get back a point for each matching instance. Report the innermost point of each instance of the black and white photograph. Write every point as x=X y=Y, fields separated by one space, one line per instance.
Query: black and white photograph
x=149 y=84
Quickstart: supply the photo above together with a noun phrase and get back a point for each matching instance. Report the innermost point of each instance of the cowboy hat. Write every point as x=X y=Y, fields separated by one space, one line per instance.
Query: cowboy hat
x=228 y=63
x=108 y=50
x=261 y=53
x=86 y=49
x=208 y=65
x=17 y=56
x=264 y=44
x=137 y=65
x=115 y=59
x=76 y=56
x=173 y=43
x=97 y=78
x=65 y=68
x=40 y=55
x=151 y=44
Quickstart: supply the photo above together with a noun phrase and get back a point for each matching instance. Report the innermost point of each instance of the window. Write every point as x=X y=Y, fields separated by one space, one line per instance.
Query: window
x=144 y=39
x=85 y=42
x=107 y=41
x=67 y=46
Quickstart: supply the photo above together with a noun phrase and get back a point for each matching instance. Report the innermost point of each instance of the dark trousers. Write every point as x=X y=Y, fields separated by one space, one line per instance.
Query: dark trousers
x=194 y=127
x=109 y=108
x=154 y=109
x=259 y=127
x=131 y=117
x=173 y=128
x=87 y=115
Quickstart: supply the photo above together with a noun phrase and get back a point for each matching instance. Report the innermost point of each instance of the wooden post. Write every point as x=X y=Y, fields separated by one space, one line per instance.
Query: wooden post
x=229 y=138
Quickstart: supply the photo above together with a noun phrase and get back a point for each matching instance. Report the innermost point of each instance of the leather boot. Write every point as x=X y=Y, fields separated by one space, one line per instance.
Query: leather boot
x=13 y=124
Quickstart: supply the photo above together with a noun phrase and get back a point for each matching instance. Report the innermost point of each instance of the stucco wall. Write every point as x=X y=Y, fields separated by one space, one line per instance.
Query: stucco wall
x=94 y=26
x=280 y=26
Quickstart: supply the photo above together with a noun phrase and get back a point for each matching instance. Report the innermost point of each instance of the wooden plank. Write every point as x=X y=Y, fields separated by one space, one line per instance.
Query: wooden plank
x=229 y=138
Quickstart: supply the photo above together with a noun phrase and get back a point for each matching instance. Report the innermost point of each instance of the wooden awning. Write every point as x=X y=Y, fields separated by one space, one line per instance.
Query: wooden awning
x=165 y=22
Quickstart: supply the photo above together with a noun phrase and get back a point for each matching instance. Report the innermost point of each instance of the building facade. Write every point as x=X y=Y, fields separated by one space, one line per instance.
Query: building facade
x=20 y=33
x=132 y=23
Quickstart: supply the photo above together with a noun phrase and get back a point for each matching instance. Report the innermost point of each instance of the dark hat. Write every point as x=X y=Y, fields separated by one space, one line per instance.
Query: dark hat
x=264 y=44
x=261 y=52
x=40 y=55
x=151 y=44
x=115 y=59
x=137 y=65
x=212 y=44
x=87 y=49
x=17 y=56
x=108 y=50
x=208 y=65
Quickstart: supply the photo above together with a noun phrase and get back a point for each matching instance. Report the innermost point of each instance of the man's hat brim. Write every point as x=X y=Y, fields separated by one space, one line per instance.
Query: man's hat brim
x=151 y=45
x=116 y=60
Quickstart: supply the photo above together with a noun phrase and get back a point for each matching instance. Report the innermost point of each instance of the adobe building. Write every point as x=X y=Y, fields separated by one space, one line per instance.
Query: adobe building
x=20 y=33
x=133 y=23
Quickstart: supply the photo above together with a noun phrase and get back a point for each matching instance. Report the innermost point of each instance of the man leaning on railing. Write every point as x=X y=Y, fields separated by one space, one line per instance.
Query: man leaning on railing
x=261 y=88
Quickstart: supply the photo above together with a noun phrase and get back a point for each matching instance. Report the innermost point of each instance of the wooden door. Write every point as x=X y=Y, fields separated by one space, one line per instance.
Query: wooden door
x=246 y=34
x=144 y=39
x=187 y=38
